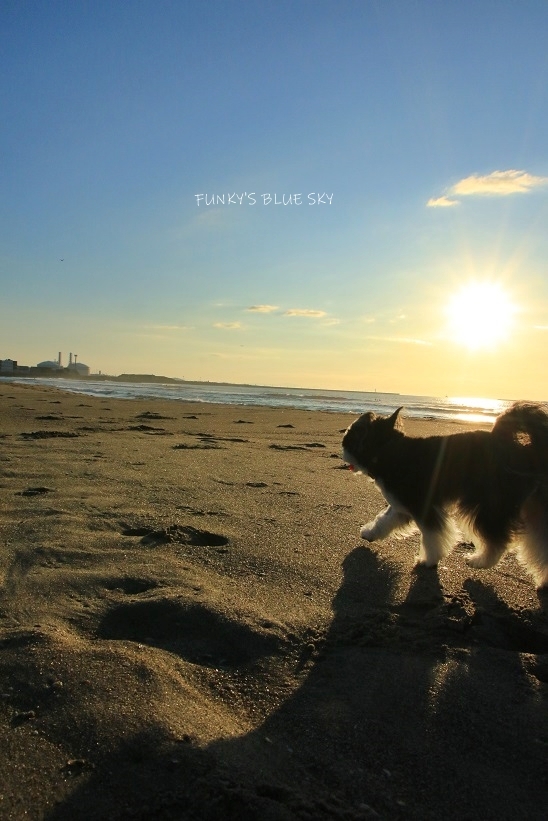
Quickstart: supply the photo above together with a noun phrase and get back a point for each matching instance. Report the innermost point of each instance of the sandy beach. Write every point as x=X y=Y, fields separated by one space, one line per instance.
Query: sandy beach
x=191 y=628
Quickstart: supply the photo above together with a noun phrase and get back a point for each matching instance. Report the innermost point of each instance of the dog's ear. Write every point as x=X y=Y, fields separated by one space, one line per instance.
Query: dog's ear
x=394 y=420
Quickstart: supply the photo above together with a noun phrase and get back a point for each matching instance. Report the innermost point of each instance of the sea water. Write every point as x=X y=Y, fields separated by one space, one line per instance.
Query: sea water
x=468 y=409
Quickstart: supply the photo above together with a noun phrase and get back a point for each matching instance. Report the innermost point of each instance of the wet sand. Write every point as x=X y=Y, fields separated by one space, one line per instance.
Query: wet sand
x=191 y=628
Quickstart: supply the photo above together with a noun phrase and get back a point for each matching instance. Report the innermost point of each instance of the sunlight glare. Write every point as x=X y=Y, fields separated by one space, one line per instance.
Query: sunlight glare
x=480 y=315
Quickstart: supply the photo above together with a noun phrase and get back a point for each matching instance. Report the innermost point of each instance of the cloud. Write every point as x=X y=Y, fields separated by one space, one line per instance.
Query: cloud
x=495 y=184
x=403 y=340
x=167 y=327
x=228 y=326
x=262 y=309
x=255 y=355
x=499 y=183
x=211 y=219
x=441 y=202
x=307 y=312
x=151 y=331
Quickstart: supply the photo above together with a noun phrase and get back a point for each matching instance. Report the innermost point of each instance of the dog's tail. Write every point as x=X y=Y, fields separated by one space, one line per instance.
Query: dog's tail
x=525 y=426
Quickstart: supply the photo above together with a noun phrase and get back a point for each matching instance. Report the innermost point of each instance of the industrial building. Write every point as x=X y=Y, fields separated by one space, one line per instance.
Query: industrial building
x=49 y=367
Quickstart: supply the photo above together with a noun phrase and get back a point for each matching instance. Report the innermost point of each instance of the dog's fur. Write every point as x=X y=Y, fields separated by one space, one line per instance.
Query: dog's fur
x=495 y=483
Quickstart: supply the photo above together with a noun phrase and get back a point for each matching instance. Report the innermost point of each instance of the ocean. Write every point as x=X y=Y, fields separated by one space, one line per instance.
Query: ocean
x=468 y=409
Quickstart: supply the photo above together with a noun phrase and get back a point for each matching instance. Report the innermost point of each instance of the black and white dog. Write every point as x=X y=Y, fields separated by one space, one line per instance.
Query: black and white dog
x=495 y=483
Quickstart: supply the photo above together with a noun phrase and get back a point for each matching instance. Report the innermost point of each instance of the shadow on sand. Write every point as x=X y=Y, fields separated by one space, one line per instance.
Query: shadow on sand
x=425 y=710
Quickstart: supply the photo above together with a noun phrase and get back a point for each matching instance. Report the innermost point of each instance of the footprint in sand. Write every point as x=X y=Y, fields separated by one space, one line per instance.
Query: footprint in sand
x=192 y=631
x=50 y=434
x=229 y=439
x=177 y=534
x=287 y=447
x=304 y=446
x=207 y=438
x=209 y=445
x=197 y=511
x=150 y=429
x=151 y=415
x=35 y=491
x=131 y=586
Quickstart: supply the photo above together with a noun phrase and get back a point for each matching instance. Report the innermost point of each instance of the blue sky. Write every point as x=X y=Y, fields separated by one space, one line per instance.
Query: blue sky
x=426 y=123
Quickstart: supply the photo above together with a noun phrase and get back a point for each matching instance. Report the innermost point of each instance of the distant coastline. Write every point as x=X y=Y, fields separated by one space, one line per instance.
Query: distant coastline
x=151 y=378
x=43 y=373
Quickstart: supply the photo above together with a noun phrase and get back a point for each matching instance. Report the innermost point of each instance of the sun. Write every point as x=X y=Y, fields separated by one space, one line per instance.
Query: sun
x=480 y=315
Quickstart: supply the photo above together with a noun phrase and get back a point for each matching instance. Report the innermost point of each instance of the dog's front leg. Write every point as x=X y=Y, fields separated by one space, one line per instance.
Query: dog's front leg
x=437 y=538
x=385 y=523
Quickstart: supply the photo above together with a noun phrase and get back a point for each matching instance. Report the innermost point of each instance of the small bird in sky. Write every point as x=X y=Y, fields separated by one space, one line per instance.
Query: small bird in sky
x=61 y=260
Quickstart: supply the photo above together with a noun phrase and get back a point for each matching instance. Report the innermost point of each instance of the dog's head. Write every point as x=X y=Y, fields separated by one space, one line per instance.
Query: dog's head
x=366 y=437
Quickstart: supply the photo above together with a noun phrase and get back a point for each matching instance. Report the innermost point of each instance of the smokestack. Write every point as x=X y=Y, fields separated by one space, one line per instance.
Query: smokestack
x=70 y=359
x=59 y=360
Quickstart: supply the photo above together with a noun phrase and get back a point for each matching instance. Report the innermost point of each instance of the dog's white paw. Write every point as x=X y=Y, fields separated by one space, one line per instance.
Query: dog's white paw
x=479 y=560
x=541 y=578
x=368 y=532
x=422 y=561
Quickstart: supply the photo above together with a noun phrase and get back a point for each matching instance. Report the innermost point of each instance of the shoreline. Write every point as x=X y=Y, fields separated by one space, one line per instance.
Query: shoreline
x=191 y=628
x=415 y=407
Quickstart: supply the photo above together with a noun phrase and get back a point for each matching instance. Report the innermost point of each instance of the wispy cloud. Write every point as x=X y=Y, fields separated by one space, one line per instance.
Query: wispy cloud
x=262 y=309
x=499 y=183
x=228 y=326
x=255 y=355
x=167 y=327
x=496 y=184
x=403 y=340
x=215 y=218
x=307 y=312
x=159 y=331
x=441 y=202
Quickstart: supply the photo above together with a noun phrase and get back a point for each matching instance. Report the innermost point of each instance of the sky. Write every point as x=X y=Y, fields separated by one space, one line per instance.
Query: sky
x=384 y=171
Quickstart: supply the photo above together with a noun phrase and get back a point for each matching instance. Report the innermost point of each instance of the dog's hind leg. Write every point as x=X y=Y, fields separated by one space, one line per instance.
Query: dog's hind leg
x=494 y=538
x=488 y=555
x=387 y=522
x=533 y=550
x=535 y=557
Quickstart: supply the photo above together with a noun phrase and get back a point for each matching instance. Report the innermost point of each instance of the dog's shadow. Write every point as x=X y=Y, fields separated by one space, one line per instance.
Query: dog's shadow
x=498 y=625
x=425 y=590
x=377 y=726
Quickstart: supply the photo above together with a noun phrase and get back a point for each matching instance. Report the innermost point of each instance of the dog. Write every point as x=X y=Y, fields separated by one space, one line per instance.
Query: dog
x=494 y=483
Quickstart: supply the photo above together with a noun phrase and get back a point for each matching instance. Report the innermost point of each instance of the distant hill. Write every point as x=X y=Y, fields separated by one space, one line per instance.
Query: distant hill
x=135 y=377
